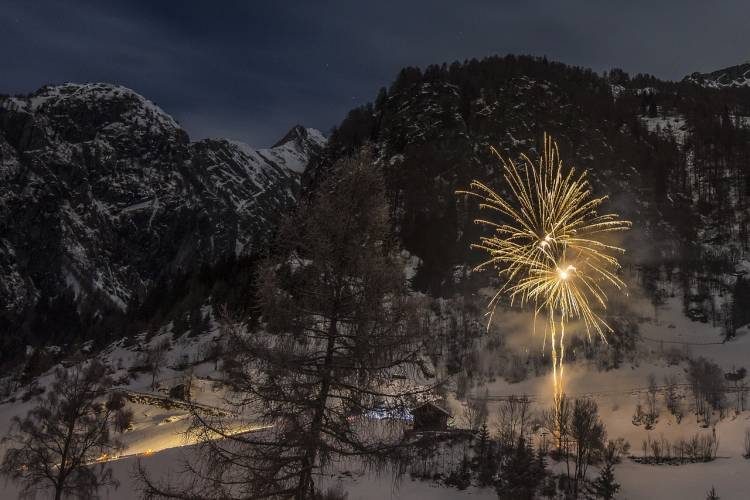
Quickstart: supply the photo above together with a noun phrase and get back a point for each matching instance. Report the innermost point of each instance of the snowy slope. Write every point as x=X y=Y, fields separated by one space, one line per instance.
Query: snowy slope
x=732 y=77
x=295 y=149
x=157 y=437
x=102 y=193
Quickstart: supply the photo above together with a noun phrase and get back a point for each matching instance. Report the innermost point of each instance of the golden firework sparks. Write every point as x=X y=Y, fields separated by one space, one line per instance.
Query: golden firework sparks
x=547 y=247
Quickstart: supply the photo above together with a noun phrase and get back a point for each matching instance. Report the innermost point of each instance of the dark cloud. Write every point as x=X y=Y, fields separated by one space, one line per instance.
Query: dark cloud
x=250 y=70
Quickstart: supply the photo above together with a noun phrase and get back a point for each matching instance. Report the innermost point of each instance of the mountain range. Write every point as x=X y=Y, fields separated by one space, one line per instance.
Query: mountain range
x=104 y=196
x=732 y=77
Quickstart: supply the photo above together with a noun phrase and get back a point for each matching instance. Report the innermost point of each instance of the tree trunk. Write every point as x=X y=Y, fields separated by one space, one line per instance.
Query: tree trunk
x=305 y=485
x=62 y=470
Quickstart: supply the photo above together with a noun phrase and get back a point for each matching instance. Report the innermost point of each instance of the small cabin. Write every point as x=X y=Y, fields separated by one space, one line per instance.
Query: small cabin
x=180 y=392
x=430 y=417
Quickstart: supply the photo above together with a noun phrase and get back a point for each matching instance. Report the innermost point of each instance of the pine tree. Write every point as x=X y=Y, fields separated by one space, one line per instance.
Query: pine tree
x=483 y=441
x=486 y=459
x=460 y=477
x=605 y=485
x=520 y=474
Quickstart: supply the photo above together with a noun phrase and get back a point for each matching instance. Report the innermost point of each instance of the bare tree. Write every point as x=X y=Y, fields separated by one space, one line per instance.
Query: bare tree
x=341 y=342
x=556 y=421
x=214 y=352
x=638 y=415
x=712 y=495
x=154 y=358
x=476 y=413
x=652 y=410
x=737 y=377
x=122 y=417
x=57 y=445
x=741 y=395
x=589 y=435
x=671 y=397
x=513 y=420
x=123 y=420
x=708 y=386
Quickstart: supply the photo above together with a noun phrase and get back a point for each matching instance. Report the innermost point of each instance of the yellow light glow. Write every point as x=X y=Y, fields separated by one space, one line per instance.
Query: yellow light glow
x=545 y=198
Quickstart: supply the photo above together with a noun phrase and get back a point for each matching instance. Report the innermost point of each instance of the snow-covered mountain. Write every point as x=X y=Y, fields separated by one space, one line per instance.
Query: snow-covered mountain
x=433 y=128
x=733 y=76
x=295 y=149
x=671 y=157
x=102 y=193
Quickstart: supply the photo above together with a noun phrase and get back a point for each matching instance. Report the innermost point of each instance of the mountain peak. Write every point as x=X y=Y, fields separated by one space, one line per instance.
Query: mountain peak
x=300 y=135
x=295 y=149
x=733 y=76
x=102 y=194
x=102 y=104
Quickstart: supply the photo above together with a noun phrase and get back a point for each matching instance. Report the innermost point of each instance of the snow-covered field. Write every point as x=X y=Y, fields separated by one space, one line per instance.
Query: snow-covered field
x=158 y=435
x=618 y=391
x=673 y=125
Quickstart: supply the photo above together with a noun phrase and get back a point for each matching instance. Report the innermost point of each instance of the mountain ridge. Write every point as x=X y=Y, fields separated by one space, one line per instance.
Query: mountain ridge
x=669 y=154
x=737 y=76
x=104 y=193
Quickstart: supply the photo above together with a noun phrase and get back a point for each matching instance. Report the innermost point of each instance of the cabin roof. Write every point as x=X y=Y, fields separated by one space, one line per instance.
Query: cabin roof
x=430 y=404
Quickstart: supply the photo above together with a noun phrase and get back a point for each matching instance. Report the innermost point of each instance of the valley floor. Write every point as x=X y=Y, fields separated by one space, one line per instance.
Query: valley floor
x=158 y=439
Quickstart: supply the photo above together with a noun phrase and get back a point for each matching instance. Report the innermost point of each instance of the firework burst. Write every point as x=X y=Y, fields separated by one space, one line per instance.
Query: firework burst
x=546 y=245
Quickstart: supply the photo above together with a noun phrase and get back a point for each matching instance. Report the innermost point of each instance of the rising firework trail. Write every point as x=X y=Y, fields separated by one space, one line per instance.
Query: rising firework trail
x=547 y=247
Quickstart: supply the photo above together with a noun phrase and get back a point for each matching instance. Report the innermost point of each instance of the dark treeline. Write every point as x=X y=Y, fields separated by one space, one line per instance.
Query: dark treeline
x=177 y=297
x=432 y=129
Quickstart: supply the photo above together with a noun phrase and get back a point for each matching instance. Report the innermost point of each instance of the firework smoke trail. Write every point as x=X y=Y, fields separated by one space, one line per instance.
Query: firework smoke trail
x=547 y=249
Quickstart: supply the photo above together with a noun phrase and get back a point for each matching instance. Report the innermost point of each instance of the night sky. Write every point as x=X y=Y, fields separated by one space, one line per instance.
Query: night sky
x=250 y=70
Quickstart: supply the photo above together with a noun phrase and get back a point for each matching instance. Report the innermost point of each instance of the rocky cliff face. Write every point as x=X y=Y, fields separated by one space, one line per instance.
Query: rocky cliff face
x=731 y=77
x=102 y=193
